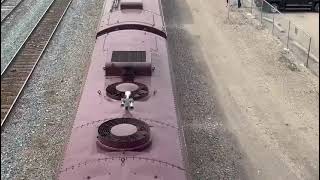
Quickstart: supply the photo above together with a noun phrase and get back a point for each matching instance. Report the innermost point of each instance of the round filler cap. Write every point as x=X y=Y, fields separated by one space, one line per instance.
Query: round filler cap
x=124 y=134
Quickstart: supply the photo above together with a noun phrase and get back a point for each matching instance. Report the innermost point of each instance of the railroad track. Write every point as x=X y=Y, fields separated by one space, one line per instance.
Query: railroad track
x=16 y=74
x=7 y=7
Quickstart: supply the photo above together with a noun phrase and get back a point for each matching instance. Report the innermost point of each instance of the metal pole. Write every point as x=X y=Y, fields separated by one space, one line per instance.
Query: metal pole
x=228 y=10
x=261 y=12
x=252 y=7
x=307 y=64
x=272 y=22
x=288 y=34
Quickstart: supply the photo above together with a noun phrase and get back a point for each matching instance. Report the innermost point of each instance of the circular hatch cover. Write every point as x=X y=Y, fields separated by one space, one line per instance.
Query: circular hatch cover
x=124 y=134
x=117 y=90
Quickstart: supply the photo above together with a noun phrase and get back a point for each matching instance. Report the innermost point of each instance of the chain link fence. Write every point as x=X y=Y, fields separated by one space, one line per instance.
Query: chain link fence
x=294 y=37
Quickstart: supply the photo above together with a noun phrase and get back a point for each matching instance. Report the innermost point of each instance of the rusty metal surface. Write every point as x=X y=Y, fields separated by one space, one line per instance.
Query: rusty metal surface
x=84 y=159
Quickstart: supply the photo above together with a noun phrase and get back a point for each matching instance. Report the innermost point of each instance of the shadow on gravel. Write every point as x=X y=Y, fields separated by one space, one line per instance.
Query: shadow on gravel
x=176 y=12
x=213 y=152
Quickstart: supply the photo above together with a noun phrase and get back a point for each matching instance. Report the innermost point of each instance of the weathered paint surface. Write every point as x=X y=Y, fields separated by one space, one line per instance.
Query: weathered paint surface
x=163 y=159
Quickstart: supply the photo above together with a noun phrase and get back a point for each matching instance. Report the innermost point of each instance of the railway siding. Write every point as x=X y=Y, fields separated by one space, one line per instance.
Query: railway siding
x=7 y=7
x=16 y=74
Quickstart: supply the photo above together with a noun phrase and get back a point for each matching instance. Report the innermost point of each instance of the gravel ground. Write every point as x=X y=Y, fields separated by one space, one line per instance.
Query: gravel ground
x=213 y=152
x=5 y=5
x=16 y=28
x=247 y=112
x=32 y=142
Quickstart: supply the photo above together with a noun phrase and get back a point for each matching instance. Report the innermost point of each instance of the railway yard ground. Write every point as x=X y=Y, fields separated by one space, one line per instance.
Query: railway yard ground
x=246 y=112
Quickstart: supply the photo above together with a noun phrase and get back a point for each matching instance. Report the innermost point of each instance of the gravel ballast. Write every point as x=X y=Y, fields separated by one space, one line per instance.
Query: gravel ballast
x=33 y=139
x=247 y=108
x=16 y=28
x=213 y=152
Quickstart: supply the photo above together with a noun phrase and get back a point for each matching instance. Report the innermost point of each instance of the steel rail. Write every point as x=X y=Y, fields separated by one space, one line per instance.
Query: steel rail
x=2 y=1
x=11 y=11
x=37 y=60
x=25 y=40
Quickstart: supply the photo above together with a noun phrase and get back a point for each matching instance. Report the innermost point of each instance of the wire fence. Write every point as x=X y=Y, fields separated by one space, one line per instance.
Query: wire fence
x=294 y=38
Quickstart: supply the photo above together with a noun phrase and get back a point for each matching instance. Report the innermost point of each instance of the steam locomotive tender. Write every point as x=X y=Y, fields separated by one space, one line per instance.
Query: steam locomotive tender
x=126 y=125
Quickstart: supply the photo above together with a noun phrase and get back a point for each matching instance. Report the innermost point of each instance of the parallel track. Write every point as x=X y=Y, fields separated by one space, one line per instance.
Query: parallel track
x=7 y=7
x=15 y=76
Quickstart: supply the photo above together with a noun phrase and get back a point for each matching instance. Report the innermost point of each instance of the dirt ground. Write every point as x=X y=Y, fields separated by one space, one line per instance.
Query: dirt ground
x=267 y=103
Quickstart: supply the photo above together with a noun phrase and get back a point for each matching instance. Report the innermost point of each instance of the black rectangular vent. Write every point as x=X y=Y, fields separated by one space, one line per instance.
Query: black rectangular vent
x=131 y=6
x=128 y=56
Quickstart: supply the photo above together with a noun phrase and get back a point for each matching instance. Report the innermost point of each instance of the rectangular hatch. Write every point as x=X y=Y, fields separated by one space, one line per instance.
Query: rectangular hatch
x=137 y=62
x=128 y=56
x=131 y=4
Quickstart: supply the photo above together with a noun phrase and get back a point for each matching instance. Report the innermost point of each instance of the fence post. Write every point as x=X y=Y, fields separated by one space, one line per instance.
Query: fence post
x=307 y=64
x=272 y=22
x=288 y=34
x=228 y=10
x=261 y=12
